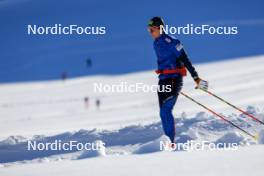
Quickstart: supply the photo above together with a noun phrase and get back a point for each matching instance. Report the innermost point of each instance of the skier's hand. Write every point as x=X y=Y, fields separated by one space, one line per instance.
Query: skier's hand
x=201 y=84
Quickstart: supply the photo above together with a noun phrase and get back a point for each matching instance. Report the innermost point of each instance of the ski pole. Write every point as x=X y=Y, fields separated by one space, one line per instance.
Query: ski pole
x=219 y=115
x=233 y=106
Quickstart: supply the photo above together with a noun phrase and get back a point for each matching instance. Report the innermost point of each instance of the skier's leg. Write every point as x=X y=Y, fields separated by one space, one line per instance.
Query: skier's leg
x=167 y=101
x=167 y=118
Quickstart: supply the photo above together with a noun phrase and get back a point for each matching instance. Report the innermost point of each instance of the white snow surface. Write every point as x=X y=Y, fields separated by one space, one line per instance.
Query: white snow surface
x=243 y=162
x=129 y=125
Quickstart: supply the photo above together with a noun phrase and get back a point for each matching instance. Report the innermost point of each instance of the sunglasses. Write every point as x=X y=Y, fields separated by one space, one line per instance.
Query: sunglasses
x=152 y=29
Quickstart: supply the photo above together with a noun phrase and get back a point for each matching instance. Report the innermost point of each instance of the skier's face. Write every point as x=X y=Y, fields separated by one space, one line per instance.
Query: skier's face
x=154 y=31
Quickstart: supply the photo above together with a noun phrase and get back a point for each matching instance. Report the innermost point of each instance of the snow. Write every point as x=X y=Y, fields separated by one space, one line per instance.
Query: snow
x=245 y=161
x=261 y=137
x=129 y=125
x=93 y=153
x=152 y=146
x=232 y=137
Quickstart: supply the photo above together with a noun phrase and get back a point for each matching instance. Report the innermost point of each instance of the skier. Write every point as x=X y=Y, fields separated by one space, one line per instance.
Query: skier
x=172 y=63
x=64 y=75
x=86 y=102
x=88 y=62
x=98 y=103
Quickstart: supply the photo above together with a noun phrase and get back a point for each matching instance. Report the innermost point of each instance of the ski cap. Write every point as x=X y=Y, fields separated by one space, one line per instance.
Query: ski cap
x=156 y=22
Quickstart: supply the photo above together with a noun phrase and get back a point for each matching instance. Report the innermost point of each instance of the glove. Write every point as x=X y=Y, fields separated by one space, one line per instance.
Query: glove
x=201 y=84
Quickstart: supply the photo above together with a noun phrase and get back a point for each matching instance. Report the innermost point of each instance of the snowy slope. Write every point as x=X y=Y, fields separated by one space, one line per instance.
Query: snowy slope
x=129 y=124
x=56 y=106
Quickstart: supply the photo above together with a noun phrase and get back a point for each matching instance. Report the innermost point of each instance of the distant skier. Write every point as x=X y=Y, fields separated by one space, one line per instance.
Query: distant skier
x=64 y=75
x=172 y=60
x=88 y=62
x=86 y=102
x=98 y=103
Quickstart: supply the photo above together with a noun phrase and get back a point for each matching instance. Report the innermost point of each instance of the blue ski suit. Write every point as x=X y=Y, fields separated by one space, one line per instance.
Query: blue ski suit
x=170 y=55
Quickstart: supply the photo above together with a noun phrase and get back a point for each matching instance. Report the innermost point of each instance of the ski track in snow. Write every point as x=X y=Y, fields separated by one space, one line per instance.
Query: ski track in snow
x=127 y=123
x=131 y=139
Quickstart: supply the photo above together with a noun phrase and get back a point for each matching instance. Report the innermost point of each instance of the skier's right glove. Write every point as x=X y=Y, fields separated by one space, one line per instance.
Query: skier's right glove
x=201 y=84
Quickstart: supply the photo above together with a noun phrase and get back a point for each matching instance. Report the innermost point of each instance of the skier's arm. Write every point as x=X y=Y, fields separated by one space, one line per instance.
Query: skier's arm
x=202 y=84
x=179 y=52
x=187 y=63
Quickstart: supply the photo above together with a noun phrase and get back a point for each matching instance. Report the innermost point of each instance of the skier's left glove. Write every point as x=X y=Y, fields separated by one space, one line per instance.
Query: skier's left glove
x=201 y=84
